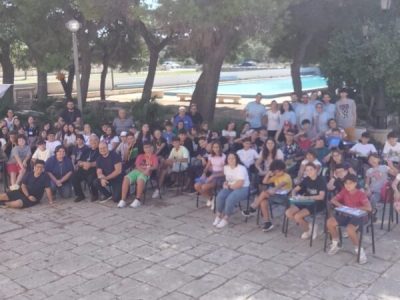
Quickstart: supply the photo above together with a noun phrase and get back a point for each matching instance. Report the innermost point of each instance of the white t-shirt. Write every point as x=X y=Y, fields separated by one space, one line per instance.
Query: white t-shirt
x=51 y=146
x=248 y=157
x=274 y=120
x=236 y=174
x=227 y=133
x=180 y=154
x=70 y=139
x=392 y=152
x=363 y=150
x=110 y=142
x=41 y=155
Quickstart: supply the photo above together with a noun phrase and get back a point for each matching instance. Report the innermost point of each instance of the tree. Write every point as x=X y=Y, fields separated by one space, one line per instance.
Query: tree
x=38 y=26
x=7 y=38
x=365 y=55
x=303 y=35
x=216 y=29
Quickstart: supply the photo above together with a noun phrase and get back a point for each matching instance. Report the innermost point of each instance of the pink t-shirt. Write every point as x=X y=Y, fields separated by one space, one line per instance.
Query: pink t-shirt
x=217 y=163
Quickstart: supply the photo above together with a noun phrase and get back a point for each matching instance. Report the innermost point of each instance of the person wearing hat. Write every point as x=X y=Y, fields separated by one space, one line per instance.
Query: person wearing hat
x=183 y=117
x=122 y=122
x=59 y=168
x=255 y=112
x=346 y=114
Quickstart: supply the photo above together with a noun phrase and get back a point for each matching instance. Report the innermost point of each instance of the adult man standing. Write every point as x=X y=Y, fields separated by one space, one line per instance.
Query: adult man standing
x=122 y=122
x=71 y=114
x=255 y=112
x=109 y=173
x=86 y=170
x=304 y=110
x=346 y=114
x=33 y=186
x=183 y=117
x=196 y=117
x=329 y=107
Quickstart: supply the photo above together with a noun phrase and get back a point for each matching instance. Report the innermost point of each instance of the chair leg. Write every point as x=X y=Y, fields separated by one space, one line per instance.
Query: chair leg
x=197 y=200
x=258 y=216
x=286 y=226
x=373 y=236
x=383 y=214
x=312 y=228
x=144 y=192
x=360 y=243
x=271 y=213
x=390 y=215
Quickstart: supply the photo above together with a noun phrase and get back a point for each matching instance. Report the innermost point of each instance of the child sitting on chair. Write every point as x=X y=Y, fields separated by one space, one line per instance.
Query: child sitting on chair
x=282 y=185
x=352 y=197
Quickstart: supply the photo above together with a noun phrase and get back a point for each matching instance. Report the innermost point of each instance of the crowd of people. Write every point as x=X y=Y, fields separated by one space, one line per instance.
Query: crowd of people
x=303 y=149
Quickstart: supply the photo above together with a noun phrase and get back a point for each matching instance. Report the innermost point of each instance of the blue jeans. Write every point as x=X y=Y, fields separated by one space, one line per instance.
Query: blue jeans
x=65 y=191
x=227 y=200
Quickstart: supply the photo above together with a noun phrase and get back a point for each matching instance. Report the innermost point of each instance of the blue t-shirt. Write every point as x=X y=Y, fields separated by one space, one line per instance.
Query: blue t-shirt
x=330 y=109
x=303 y=112
x=187 y=121
x=59 y=168
x=107 y=164
x=36 y=185
x=168 y=136
x=256 y=111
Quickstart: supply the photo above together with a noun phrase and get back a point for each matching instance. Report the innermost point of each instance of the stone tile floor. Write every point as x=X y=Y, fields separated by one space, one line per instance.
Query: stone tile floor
x=168 y=249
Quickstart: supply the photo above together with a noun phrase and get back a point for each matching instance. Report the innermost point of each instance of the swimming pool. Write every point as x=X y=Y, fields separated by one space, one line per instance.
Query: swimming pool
x=270 y=87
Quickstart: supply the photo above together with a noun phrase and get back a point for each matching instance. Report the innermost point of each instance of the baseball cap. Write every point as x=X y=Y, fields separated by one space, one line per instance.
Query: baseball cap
x=123 y=133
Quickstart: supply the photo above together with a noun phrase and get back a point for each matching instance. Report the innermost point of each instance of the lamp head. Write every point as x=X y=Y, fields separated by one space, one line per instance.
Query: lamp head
x=73 y=25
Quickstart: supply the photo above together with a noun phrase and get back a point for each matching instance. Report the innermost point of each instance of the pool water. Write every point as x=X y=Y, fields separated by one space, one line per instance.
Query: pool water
x=268 y=87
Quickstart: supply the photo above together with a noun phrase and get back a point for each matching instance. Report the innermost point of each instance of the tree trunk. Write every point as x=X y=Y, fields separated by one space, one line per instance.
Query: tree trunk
x=6 y=64
x=151 y=74
x=295 y=71
x=84 y=63
x=380 y=109
x=205 y=92
x=104 y=77
x=41 y=85
x=298 y=60
x=70 y=81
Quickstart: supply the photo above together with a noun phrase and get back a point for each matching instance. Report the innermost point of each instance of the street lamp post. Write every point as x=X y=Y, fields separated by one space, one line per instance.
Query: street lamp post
x=73 y=26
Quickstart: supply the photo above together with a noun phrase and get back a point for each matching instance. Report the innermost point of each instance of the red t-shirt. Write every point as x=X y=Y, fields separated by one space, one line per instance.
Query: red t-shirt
x=144 y=160
x=356 y=199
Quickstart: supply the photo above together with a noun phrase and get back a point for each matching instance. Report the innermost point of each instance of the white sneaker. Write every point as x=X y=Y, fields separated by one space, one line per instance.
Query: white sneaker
x=216 y=221
x=222 y=223
x=315 y=232
x=334 y=248
x=363 y=256
x=121 y=204
x=305 y=235
x=208 y=204
x=156 y=194
x=135 y=204
x=14 y=187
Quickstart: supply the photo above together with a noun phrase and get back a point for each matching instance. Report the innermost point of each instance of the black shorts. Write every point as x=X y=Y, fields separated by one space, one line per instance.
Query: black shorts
x=18 y=195
x=344 y=220
x=320 y=206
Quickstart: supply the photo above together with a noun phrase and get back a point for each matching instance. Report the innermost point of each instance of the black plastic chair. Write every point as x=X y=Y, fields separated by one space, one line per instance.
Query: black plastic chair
x=369 y=225
x=153 y=176
x=389 y=200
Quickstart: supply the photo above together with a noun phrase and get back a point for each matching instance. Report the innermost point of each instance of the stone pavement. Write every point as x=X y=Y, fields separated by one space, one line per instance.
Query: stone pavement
x=168 y=249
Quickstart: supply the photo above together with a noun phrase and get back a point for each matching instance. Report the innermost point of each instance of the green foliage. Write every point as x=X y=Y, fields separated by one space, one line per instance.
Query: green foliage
x=151 y=112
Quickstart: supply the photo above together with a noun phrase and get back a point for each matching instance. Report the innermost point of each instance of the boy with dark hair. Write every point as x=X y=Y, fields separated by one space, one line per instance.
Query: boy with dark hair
x=351 y=197
x=33 y=185
x=391 y=150
x=282 y=185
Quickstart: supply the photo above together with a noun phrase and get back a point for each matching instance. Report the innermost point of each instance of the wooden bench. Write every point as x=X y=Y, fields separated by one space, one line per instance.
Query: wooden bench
x=157 y=94
x=234 y=98
x=25 y=91
x=184 y=97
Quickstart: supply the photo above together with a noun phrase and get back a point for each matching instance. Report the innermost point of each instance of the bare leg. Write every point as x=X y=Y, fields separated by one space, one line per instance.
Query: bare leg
x=299 y=218
x=4 y=197
x=332 y=228
x=13 y=178
x=264 y=205
x=125 y=188
x=14 y=204
x=140 y=184
x=20 y=175
x=352 y=232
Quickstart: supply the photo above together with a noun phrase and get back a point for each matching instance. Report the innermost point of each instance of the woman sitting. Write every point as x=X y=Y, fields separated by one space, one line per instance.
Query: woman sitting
x=235 y=189
x=205 y=185
x=312 y=187
x=269 y=153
